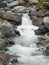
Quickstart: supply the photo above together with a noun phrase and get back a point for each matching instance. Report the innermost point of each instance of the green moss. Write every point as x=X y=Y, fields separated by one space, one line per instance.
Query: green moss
x=39 y=4
x=26 y=4
x=44 y=11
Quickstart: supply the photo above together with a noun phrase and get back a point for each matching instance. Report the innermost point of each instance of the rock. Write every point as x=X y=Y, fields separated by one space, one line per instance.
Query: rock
x=33 y=1
x=17 y=32
x=41 y=31
x=6 y=31
x=46 y=21
x=5 y=23
x=47 y=51
x=2 y=44
x=7 y=58
x=11 y=42
x=8 y=1
x=40 y=13
x=31 y=9
x=37 y=20
x=12 y=17
x=21 y=1
x=3 y=5
x=13 y=4
x=43 y=42
x=19 y=9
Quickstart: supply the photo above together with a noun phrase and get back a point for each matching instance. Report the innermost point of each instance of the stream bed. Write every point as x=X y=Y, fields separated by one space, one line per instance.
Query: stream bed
x=25 y=44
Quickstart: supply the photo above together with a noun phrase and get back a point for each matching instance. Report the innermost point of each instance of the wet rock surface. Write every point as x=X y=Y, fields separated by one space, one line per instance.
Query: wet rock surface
x=41 y=31
x=11 y=17
x=6 y=59
x=3 y=5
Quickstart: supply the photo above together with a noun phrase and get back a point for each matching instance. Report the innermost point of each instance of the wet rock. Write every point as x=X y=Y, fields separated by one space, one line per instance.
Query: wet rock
x=21 y=1
x=17 y=32
x=7 y=58
x=5 y=23
x=37 y=21
x=12 y=17
x=33 y=1
x=46 y=21
x=41 y=31
x=2 y=44
x=19 y=9
x=32 y=9
x=3 y=5
x=47 y=51
x=6 y=31
x=13 y=4
x=11 y=42
x=41 y=12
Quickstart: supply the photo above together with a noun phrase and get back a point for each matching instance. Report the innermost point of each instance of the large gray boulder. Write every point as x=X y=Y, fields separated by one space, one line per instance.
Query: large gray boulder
x=12 y=17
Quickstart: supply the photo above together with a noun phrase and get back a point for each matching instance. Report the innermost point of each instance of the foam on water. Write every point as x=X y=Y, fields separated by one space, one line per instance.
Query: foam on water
x=25 y=45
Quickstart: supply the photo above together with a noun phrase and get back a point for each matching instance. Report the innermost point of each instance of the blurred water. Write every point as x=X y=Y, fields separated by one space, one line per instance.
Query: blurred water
x=25 y=45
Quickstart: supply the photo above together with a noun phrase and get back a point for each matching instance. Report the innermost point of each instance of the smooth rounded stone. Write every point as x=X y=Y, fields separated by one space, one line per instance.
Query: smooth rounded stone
x=3 y=5
x=20 y=9
x=41 y=31
x=11 y=17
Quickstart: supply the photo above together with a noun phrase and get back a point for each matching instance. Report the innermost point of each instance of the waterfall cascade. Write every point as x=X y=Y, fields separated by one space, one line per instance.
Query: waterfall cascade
x=25 y=45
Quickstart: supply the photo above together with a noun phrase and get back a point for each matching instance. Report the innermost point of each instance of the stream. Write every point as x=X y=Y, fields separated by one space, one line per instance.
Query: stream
x=25 y=44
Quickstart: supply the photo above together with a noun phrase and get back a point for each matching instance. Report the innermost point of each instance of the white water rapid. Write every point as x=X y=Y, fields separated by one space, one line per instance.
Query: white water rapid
x=25 y=44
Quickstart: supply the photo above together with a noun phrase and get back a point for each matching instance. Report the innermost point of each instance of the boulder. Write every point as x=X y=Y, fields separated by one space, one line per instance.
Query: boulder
x=3 y=5
x=12 y=17
x=7 y=59
x=19 y=9
x=46 y=21
x=47 y=51
x=37 y=20
x=41 y=31
x=5 y=23
x=21 y=1
x=6 y=31
x=13 y=4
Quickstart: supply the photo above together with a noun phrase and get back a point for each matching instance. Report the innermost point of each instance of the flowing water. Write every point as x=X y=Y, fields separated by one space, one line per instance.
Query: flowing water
x=25 y=44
